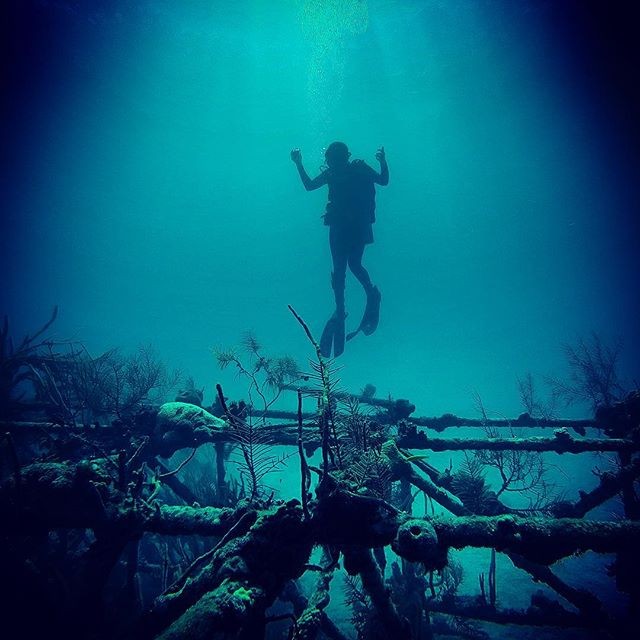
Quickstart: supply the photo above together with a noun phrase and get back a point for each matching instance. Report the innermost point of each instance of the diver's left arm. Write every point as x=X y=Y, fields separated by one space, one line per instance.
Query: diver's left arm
x=383 y=177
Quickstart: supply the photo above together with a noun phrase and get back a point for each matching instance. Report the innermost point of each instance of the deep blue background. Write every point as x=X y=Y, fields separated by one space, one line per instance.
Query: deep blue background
x=147 y=188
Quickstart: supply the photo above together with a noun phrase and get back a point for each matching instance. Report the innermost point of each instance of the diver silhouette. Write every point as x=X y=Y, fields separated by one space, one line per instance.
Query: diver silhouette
x=350 y=214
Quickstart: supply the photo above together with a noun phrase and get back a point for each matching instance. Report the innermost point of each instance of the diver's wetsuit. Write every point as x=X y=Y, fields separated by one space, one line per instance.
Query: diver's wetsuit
x=349 y=216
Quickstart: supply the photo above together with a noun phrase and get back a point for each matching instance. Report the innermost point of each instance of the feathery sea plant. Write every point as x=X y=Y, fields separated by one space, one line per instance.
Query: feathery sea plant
x=469 y=484
x=256 y=459
x=360 y=604
x=370 y=471
x=323 y=375
x=267 y=376
x=360 y=429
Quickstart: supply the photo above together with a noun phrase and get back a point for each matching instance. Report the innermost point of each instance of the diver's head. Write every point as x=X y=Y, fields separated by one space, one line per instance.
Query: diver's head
x=337 y=155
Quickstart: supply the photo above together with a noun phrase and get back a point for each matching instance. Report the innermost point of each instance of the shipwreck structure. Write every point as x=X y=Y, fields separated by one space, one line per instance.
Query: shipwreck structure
x=101 y=538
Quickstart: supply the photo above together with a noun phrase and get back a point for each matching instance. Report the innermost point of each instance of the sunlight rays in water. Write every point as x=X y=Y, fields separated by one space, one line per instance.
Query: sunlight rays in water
x=327 y=26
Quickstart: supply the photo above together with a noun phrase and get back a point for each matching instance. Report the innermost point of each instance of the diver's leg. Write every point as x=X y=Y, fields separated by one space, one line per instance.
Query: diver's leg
x=332 y=338
x=355 y=264
x=371 y=314
x=339 y=257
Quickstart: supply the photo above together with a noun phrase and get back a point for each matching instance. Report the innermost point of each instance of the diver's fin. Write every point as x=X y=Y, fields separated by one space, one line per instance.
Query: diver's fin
x=332 y=337
x=326 y=339
x=353 y=334
x=371 y=315
x=338 y=335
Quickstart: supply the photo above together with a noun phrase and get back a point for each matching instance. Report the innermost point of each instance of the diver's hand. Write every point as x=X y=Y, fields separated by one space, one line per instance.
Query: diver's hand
x=296 y=156
x=380 y=155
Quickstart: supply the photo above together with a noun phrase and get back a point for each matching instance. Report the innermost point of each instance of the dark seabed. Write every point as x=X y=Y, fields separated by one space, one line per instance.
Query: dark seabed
x=181 y=456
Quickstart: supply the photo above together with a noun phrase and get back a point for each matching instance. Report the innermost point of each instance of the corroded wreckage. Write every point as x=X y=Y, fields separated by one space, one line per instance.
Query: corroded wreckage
x=105 y=535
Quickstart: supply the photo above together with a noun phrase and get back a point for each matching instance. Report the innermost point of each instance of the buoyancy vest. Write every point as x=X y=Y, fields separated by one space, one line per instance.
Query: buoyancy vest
x=352 y=195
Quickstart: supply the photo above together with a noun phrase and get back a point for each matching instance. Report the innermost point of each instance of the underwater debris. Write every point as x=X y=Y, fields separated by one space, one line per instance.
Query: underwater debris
x=148 y=549
x=312 y=618
x=361 y=562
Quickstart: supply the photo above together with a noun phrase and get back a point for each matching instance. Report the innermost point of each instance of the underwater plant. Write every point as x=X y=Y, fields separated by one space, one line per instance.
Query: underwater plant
x=450 y=579
x=325 y=377
x=369 y=473
x=469 y=484
x=25 y=374
x=62 y=379
x=593 y=373
x=359 y=429
x=256 y=459
x=536 y=408
x=266 y=375
x=115 y=384
x=491 y=579
x=520 y=471
x=362 y=617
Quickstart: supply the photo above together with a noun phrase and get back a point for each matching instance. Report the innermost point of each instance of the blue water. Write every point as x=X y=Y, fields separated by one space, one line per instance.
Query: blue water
x=152 y=197
x=150 y=193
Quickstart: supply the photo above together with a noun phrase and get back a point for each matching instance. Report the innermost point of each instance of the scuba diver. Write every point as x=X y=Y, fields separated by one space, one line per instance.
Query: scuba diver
x=349 y=215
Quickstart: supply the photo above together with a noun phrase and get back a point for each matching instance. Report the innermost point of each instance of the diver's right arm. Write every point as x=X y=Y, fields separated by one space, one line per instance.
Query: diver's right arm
x=308 y=183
